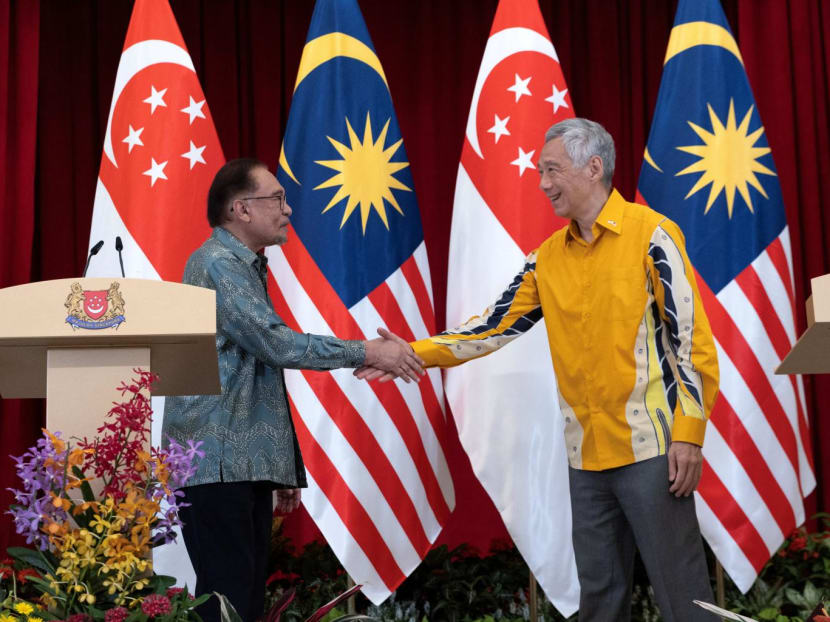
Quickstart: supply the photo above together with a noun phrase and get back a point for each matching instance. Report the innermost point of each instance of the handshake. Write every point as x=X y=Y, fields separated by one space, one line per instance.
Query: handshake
x=389 y=357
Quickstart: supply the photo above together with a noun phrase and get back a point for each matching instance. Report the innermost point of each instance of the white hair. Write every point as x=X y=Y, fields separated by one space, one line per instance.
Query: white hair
x=584 y=139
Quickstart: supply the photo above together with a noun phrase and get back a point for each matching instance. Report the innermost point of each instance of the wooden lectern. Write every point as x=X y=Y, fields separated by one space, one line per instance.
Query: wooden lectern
x=810 y=353
x=73 y=341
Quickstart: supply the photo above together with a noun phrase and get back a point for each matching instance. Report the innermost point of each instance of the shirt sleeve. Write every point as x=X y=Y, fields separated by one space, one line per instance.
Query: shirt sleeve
x=694 y=357
x=245 y=317
x=513 y=314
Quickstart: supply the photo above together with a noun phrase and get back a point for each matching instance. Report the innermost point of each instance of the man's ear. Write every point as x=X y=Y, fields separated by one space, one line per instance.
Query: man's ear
x=595 y=167
x=238 y=210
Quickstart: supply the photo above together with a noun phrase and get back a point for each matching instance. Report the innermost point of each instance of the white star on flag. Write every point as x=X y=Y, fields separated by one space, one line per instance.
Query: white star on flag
x=194 y=109
x=195 y=154
x=155 y=98
x=500 y=128
x=523 y=161
x=520 y=87
x=557 y=99
x=156 y=171
x=134 y=138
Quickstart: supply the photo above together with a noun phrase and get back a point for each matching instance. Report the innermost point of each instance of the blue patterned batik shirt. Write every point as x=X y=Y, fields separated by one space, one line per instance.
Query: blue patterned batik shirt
x=247 y=432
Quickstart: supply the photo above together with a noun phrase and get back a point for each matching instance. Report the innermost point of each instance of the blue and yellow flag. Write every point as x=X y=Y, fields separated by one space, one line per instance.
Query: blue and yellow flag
x=343 y=162
x=708 y=167
x=379 y=483
x=708 y=164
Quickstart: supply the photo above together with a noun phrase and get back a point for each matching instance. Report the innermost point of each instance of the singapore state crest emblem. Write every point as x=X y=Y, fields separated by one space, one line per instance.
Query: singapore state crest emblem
x=94 y=309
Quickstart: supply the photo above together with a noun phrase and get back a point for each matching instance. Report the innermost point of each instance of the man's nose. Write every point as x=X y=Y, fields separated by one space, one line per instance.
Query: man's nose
x=286 y=209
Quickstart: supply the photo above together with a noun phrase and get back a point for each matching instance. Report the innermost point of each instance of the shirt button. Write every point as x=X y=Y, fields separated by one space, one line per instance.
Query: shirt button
x=636 y=411
x=567 y=419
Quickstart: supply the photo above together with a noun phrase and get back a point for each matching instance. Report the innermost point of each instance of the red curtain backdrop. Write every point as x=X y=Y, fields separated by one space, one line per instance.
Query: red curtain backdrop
x=59 y=61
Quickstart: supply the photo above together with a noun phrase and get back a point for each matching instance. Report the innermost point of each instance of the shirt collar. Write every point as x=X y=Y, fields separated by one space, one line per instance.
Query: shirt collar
x=233 y=244
x=610 y=218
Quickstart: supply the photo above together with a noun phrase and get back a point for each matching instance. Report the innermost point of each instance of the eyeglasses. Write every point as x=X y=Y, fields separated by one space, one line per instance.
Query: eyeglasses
x=279 y=198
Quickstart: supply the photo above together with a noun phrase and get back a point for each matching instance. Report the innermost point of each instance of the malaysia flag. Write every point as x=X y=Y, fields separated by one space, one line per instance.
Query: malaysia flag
x=709 y=168
x=379 y=484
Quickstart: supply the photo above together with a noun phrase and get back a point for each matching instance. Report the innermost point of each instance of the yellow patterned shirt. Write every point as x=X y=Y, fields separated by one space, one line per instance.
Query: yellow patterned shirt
x=634 y=356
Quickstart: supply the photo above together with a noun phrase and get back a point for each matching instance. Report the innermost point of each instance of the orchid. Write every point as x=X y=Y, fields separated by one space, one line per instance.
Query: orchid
x=94 y=553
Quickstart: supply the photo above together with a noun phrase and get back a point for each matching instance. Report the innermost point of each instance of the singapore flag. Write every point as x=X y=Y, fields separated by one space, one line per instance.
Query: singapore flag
x=505 y=405
x=160 y=154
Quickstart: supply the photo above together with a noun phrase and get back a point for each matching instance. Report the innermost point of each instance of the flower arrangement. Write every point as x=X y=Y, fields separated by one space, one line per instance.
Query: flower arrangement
x=91 y=558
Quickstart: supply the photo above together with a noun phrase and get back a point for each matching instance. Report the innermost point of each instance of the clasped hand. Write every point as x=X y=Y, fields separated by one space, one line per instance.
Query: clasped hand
x=389 y=357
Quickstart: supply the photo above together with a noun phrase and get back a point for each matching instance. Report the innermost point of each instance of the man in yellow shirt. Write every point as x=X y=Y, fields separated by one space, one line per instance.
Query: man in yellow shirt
x=637 y=375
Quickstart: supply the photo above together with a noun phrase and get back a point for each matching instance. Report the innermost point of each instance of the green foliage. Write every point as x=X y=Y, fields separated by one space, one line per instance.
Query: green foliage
x=460 y=585
x=793 y=582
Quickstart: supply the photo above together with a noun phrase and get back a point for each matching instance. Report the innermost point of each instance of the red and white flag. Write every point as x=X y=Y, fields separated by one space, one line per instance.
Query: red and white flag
x=160 y=155
x=510 y=423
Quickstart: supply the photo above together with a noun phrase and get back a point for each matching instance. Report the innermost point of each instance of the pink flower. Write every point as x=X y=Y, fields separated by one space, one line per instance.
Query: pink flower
x=155 y=605
x=116 y=614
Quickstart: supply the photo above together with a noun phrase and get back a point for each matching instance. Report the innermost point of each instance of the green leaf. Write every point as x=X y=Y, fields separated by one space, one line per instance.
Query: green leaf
x=226 y=610
x=811 y=594
x=44 y=585
x=198 y=601
x=36 y=559
x=770 y=613
x=796 y=598
x=160 y=583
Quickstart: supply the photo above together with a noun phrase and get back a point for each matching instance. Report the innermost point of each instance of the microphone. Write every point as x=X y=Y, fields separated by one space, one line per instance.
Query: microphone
x=92 y=251
x=119 y=247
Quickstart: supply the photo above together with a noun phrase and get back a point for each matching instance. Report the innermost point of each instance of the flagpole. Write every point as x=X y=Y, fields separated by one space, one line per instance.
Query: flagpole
x=532 y=598
x=721 y=593
x=350 y=606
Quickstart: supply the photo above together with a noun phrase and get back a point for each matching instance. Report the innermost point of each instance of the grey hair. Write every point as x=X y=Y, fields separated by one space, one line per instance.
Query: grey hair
x=584 y=139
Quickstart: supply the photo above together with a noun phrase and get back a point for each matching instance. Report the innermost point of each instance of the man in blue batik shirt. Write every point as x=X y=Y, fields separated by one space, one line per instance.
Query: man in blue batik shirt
x=248 y=437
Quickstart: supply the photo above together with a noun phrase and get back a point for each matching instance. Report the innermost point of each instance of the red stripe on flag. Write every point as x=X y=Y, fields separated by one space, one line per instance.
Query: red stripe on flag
x=756 y=293
x=732 y=429
x=318 y=288
x=361 y=439
x=734 y=343
x=336 y=314
x=387 y=306
x=347 y=506
x=776 y=253
x=416 y=282
x=778 y=256
x=732 y=517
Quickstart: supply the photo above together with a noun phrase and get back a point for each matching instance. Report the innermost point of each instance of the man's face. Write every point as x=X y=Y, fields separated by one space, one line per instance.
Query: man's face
x=268 y=210
x=567 y=187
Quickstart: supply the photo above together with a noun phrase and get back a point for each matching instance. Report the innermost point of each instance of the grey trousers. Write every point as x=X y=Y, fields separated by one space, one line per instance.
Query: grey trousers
x=615 y=510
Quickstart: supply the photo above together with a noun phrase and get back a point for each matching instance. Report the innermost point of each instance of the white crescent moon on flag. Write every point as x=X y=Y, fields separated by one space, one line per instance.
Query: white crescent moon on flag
x=501 y=45
x=135 y=58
